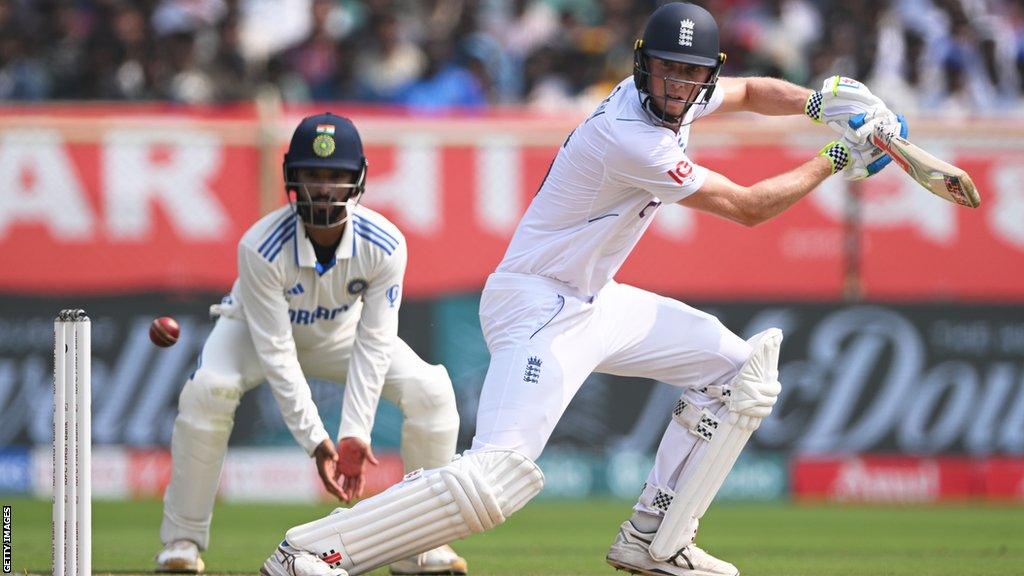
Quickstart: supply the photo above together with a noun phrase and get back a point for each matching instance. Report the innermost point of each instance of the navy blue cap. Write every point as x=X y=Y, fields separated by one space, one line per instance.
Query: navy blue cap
x=325 y=141
x=682 y=32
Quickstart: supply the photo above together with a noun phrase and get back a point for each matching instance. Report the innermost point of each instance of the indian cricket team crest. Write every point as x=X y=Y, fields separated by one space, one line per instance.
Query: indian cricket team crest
x=357 y=286
x=323 y=144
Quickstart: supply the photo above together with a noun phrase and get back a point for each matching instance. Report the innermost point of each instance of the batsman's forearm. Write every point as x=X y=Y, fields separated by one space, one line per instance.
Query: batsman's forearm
x=774 y=97
x=775 y=195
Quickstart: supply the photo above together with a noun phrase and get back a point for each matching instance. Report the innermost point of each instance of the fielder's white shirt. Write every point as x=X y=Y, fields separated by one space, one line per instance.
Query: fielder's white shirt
x=609 y=178
x=292 y=302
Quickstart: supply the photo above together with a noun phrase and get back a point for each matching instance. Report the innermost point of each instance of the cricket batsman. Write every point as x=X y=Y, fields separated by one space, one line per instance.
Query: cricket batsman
x=317 y=296
x=552 y=314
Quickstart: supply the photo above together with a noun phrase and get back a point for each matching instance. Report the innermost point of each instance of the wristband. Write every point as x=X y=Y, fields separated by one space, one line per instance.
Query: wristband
x=838 y=155
x=813 y=107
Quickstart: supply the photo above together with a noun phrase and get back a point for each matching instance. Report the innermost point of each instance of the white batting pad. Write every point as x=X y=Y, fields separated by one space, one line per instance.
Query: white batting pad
x=726 y=438
x=425 y=510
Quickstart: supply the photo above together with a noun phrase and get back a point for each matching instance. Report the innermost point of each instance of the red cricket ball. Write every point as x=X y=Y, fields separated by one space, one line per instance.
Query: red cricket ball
x=164 y=331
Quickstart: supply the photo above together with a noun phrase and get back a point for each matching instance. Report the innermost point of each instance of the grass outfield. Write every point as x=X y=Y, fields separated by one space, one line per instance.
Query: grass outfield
x=563 y=538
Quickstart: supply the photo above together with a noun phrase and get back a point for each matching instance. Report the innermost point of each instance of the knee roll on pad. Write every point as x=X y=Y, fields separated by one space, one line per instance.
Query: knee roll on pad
x=425 y=510
x=751 y=394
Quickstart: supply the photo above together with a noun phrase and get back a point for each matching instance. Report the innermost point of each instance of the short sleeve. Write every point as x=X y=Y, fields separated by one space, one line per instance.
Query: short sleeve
x=655 y=162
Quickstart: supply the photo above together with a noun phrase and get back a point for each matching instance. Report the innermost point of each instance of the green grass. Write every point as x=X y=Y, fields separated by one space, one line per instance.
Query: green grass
x=563 y=538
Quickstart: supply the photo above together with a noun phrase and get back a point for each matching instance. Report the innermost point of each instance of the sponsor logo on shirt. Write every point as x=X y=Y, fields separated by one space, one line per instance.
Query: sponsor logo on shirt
x=306 y=317
x=392 y=294
x=681 y=172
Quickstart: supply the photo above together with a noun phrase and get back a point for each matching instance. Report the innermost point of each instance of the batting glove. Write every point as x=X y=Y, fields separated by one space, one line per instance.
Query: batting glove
x=853 y=154
x=839 y=99
x=868 y=159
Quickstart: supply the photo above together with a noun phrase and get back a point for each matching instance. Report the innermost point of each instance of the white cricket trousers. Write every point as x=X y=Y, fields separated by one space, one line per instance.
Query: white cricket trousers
x=545 y=339
x=229 y=367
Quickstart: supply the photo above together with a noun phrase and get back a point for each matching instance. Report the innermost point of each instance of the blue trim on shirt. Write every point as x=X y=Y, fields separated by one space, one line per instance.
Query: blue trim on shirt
x=368 y=232
x=277 y=250
x=322 y=269
x=602 y=217
x=277 y=229
x=375 y=227
x=374 y=240
x=275 y=246
x=271 y=251
x=366 y=227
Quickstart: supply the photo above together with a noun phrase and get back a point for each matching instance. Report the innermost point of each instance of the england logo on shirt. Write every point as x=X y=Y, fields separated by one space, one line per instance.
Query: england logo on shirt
x=532 y=375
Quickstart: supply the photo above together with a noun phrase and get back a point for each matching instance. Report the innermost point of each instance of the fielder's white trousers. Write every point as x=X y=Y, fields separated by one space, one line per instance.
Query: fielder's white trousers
x=230 y=367
x=545 y=339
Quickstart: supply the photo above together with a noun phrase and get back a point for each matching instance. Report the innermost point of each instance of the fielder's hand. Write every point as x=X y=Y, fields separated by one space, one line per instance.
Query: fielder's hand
x=840 y=99
x=327 y=465
x=353 y=456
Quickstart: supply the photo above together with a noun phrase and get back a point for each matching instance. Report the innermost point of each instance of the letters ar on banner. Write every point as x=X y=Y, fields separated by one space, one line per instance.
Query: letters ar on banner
x=116 y=200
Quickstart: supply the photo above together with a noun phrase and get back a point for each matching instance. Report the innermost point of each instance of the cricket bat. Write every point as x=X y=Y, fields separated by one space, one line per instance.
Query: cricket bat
x=940 y=178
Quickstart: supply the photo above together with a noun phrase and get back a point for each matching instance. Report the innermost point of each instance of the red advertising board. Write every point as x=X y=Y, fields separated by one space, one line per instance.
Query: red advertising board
x=283 y=474
x=121 y=200
x=1003 y=479
x=906 y=480
x=123 y=203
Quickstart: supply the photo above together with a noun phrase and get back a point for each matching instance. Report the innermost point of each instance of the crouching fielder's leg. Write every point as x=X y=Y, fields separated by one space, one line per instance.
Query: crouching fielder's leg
x=746 y=400
x=425 y=510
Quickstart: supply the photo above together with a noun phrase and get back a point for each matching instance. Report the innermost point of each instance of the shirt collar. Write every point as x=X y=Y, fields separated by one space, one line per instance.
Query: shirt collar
x=305 y=256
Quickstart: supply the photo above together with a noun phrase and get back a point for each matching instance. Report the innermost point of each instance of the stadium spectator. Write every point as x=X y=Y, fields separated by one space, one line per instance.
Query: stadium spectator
x=389 y=62
x=944 y=56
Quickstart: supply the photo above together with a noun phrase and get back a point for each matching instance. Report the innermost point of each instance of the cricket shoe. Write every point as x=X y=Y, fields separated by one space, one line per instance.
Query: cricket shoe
x=440 y=560
x=291 y=561
x=180 y=557
x=631 y=552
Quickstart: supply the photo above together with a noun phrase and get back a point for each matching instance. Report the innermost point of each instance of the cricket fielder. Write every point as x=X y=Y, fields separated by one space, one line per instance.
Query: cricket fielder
x=317 y=296
x=552 y=314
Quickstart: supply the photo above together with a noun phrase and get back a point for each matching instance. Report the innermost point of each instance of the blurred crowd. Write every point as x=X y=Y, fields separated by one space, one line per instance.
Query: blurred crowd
x=958 y=57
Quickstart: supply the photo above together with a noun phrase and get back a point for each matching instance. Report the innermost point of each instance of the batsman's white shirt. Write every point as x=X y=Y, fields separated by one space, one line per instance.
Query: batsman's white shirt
x=290 y=301
x=552 y=314
x=602 y=191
